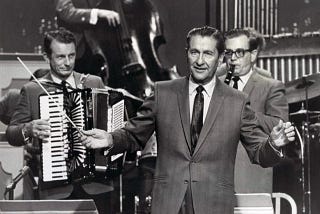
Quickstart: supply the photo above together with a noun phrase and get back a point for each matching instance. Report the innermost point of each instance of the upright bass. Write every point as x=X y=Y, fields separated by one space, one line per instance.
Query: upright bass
x=129 y=51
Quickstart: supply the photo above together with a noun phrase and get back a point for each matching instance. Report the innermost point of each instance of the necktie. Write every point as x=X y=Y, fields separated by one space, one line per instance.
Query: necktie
x=235 y=81
x=64 y=86
x=197 y=117
x=66 y=97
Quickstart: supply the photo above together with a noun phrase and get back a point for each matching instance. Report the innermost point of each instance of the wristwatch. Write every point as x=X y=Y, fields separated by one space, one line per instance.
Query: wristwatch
x=24 y=132
x=107 y=150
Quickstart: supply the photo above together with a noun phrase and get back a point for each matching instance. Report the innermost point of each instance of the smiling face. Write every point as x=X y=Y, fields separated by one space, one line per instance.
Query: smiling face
x=62 y=59
x=203 y=58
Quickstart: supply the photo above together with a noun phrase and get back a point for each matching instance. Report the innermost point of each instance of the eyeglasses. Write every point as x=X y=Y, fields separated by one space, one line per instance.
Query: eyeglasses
x=238 y=52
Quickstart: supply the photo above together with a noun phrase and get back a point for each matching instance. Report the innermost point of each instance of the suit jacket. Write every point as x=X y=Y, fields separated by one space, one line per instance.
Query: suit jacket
x=7 y=105
x=210 y=170
x=74 y=15
x=267 y=99
x=28 y=110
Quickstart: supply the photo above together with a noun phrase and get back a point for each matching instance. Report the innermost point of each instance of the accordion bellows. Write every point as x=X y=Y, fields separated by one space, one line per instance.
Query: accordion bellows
x=63 y=158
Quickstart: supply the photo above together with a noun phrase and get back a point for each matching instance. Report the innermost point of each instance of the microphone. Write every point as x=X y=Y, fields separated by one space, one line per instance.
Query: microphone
x=12 y=185
x=23 y=172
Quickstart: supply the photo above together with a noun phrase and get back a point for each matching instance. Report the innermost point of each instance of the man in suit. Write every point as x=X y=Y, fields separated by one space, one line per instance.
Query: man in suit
x=267 y=99
x=80 y=17
x=8 y=103
x=259 y=43
x=26 y=125
x=198 y=122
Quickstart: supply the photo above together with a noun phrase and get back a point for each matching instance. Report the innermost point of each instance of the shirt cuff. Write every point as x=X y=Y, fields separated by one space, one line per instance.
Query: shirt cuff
x=279 y=152
x=108 y=149
x=94 y=16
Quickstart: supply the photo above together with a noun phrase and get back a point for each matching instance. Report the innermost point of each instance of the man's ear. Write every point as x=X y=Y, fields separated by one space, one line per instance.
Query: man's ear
x=186 y=51
x=254 y=55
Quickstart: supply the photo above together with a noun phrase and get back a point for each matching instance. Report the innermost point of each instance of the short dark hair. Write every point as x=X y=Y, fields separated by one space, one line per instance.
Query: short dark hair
x=61 y=35
x=207 y=31
x=256 y=40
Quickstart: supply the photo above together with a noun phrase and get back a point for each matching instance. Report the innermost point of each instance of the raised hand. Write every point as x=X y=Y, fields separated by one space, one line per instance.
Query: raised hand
x=38 y=129
x=112 y=17
x=282 y=134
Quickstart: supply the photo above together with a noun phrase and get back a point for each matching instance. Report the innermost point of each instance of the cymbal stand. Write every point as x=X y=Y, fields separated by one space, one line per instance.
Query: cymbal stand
x=306 y=185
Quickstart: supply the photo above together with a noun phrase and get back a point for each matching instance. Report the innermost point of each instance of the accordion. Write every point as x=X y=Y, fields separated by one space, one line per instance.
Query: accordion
x=64 y=159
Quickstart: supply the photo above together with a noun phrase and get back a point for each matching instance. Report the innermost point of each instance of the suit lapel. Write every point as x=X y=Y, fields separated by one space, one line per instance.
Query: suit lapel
x=77 y=77
x=250 y=84
x=214 y=107
x=184 y=109
x=80 y=80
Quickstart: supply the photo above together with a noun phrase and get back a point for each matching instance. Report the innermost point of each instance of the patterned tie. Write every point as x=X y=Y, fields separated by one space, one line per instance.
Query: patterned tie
x=235 y=81
x=197 y=117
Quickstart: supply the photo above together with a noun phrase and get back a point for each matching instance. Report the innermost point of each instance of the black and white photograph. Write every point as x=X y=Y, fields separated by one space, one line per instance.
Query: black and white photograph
x=160 y=106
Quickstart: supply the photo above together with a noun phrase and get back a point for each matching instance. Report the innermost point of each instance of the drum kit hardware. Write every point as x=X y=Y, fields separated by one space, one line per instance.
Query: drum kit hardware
x=303 y=90
x=315 y=126
x=296 y=89
x=304 y=112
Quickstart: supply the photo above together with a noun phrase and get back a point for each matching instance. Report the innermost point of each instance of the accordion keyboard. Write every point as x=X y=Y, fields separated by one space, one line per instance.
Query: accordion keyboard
x=63 y=157
x=55 y=147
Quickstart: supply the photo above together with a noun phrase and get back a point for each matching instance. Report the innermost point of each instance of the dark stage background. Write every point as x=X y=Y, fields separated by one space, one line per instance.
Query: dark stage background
x=22 y=23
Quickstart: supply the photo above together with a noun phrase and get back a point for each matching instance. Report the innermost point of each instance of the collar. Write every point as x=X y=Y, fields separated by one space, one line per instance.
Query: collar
x=70 y=80
x=208 y=88
x=244 y=78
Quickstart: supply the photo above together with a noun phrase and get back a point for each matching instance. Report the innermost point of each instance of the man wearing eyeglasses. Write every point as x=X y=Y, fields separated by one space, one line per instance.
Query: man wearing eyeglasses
x=267 y=99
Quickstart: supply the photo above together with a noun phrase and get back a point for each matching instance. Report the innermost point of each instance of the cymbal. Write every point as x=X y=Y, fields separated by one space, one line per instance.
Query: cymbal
x=315 y=126
x=296 y=89
x=304 y=112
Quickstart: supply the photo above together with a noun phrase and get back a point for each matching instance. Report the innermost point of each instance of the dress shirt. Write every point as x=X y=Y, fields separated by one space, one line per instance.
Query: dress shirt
x=207 y=94
x=94 y=16
x=243 y=80
x=70 y=80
